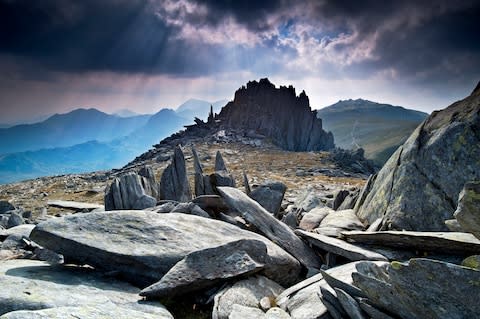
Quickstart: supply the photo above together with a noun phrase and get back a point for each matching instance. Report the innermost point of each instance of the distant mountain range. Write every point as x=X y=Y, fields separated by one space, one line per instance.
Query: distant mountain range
x=87 y=140
x=378 y=128
x=60 y=130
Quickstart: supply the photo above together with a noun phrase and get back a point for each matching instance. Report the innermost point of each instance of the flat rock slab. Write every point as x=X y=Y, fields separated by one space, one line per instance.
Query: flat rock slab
x=445 y=242
x=84 y=312
x=35 y=285
x=20 y=230
x=340 y=247
x=271 y=227
x=76 y=206
x=206 y=268
x=142 y=246
x=421 y=288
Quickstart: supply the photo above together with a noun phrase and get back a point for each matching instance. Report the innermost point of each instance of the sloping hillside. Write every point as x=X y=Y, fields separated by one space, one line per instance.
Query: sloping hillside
x=377 y=128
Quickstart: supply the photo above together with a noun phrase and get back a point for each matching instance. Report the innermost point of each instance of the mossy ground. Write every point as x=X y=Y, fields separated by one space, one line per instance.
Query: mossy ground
x=260 y=164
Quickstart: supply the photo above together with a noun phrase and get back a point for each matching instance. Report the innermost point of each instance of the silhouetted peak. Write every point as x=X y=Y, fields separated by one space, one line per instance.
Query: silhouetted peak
x=278 y=113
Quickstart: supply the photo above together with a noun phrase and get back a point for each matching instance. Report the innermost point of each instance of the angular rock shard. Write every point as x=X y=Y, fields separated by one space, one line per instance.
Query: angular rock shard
x=149 y=181
x=340 y=247
x=199 y=179
x=270 y=196
x=448 y=242
x=206 y=268
x=174 y=182
x=127 y=192
x=272 y=228
x=220 y=163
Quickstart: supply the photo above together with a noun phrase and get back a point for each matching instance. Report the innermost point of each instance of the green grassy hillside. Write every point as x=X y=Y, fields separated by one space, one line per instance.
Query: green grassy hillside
x=378 y=128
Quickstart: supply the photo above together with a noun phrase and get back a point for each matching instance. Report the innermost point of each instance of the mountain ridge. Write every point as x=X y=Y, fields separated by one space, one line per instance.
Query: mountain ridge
x=63 y=130
x=378 y=128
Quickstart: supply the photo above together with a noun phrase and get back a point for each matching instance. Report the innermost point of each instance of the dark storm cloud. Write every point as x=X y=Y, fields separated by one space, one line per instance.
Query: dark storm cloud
x=91 y=35
x=428 y=40
x=252 y=13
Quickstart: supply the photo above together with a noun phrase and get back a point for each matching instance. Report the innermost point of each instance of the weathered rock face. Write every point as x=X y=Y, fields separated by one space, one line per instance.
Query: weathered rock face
x=468 y=209
x=207 y=184
x=279 y=114
x=270 y=196
x=418 y=187
x=142 y=246
x=149 y=181
x=127 y=192
x=418 y=289
x=174 y=182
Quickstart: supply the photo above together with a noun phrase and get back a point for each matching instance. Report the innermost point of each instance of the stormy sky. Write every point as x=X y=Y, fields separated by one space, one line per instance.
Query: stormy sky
x=57 y=55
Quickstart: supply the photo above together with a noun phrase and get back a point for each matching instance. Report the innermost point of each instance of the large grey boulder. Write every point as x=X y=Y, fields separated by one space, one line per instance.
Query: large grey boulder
x=206 y=268
x=127 y=192
x=5 y=206
x=35 y=285
x=15 y=219
x=174 y=181
x=270 y=196
x=418 y=187
x=142 y=246
x=279 y=114
x=468 y=209
x=248 y=293
x=421 y=288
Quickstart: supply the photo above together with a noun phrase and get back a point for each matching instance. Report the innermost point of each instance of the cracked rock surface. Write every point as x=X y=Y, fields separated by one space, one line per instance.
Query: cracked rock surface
x=418 y=187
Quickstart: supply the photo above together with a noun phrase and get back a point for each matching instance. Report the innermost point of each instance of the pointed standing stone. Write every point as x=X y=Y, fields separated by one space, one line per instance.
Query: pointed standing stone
x=127 y=192
x=199 y=179
x=174 y=182
x=248 y=190
x=149 y=181
x=220 y=163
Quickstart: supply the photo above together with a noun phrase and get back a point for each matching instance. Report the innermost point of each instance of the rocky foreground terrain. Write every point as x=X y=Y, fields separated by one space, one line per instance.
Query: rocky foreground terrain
x=221 y=221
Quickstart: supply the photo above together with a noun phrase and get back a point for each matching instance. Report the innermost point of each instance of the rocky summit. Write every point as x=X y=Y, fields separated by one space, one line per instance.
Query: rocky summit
x=266 y=233
x=279 y=114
